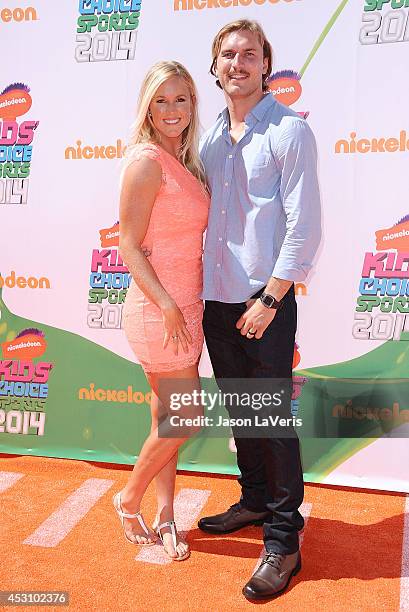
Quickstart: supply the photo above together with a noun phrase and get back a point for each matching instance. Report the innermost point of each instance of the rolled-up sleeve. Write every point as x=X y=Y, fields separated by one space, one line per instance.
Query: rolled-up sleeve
x=296 y=156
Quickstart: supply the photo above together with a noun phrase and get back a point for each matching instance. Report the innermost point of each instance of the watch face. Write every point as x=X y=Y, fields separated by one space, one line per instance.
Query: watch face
x=268 y=300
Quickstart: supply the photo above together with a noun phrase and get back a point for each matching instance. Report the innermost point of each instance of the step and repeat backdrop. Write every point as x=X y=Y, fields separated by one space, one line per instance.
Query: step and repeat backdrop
x=69 y=384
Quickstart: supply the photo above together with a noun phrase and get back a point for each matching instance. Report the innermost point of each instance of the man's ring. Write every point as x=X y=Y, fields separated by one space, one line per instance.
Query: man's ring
x=175 y=338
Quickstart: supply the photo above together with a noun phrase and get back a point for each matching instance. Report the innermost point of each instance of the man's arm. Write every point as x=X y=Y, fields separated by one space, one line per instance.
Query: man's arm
x=296 y=156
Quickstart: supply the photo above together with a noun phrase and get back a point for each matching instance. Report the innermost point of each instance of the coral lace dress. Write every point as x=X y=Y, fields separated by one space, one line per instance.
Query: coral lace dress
x=173 y=244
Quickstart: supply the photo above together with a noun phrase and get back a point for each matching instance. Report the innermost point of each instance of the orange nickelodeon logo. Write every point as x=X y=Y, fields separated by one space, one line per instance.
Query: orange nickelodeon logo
x=18 y=14
x=300 y=289
x=110 y=236
x=96 y=152
x=396 y=237
x=373 y=145
x=285 y=86
x=128 y=395
x=296 y=356
x=21 y=282
x=15 y=101
x=189 y=5
x=28 y=344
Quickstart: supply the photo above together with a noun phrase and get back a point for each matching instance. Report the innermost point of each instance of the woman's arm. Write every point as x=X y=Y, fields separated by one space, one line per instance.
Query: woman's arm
x=140 y=186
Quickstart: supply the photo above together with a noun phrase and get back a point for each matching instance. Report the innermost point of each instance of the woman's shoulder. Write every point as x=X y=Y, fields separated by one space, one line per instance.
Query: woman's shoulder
x=142 y=150
x=149 y=167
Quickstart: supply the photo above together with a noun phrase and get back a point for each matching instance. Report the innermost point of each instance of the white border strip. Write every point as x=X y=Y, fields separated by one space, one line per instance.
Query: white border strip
x=8 y=479
x=59 y=524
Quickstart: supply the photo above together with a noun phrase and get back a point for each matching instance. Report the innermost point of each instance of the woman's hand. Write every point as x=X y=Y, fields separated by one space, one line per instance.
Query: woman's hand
x=176 y=331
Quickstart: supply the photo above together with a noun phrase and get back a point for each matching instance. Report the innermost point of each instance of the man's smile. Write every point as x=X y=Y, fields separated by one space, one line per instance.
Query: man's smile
x=237 y=76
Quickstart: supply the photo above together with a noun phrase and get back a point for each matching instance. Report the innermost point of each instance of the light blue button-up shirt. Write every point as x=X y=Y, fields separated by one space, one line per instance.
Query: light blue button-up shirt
x=265 y=213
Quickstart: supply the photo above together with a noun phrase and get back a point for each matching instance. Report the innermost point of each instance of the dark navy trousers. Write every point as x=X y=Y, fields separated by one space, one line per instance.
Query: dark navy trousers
x=271 y=472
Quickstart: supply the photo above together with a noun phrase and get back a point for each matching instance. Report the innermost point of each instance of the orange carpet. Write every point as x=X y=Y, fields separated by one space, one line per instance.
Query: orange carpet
x=352 y=546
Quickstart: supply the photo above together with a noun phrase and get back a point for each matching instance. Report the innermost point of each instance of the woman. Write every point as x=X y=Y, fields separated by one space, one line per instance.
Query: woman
x=163 y=215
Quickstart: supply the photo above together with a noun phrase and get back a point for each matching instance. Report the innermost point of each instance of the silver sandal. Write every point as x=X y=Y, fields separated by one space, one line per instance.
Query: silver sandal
x=172 y=527
x=116 y=500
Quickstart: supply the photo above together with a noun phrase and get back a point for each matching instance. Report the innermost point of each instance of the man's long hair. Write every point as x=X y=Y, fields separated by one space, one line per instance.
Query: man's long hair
x=241 y=25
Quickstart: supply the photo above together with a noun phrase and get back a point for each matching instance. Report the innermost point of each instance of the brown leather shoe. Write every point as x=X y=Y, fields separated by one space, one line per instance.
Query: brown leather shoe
x=235 y=518
x=273 y=575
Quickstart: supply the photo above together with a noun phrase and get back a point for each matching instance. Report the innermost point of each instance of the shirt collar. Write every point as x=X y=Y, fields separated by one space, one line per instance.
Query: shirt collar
x=255 y=114
x=266 y=102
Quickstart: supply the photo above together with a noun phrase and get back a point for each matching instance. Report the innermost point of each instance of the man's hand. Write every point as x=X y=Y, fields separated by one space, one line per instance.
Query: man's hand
x=255 y=320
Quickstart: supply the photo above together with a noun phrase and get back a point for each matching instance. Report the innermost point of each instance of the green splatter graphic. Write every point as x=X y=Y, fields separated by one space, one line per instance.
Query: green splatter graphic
x=114 y=432
x=323 y=35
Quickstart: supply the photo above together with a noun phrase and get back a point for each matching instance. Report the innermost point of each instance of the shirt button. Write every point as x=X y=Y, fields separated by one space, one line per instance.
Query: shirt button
x=230 y=156
x=218 y=265
x=226 y=184
x=220 y=239
x=223 y=212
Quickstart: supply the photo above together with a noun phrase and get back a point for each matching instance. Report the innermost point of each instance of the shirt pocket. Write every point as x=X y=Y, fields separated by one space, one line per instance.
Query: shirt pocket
x=261 y=161
x=261 y=177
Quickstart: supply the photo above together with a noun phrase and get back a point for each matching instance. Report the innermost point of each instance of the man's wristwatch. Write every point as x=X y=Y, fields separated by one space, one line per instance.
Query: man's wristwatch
x=269 y=301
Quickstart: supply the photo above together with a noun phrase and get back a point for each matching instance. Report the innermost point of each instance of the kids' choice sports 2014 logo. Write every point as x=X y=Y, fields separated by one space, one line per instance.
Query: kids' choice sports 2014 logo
x=384 y=21
x=16 y=138
x=24 y=384
x=109 y=281
x=107 y=30
x=382 y=310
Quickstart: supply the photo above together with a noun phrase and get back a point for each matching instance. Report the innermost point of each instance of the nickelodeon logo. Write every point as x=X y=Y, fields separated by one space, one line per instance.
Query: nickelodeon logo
x=300 y=289
x=15 y=101
x=21 y=282
x=96 y=152
x=373 y=145
x=396 y=237
x=18 y=14
x=28 y=344
x=189 y=5
x=285 y=86
x=109 y=236
x=129 y=395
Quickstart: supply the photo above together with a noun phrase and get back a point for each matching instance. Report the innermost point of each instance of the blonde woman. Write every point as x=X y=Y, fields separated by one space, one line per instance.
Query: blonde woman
x=163 y=215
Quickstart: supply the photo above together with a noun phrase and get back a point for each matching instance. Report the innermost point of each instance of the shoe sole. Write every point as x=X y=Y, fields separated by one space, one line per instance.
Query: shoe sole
x=178 y=559
x=274 y=595
x=254 y=523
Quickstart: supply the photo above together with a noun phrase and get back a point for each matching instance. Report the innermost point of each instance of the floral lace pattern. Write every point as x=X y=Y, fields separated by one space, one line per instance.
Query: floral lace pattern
x=173 y=243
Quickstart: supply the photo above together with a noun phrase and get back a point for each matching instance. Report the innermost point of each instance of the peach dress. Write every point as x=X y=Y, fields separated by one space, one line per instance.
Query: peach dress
x=174 y=245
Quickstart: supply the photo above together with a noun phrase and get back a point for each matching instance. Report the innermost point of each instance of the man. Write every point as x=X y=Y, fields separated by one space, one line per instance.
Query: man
x=264 y=230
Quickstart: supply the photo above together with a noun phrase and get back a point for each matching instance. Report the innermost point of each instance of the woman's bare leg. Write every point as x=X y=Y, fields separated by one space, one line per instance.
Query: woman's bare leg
x=165 y=488
x=157 y=454
x=165 y=479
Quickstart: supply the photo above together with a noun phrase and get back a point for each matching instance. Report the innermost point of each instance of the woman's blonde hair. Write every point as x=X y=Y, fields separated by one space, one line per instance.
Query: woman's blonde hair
x=143 y=130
